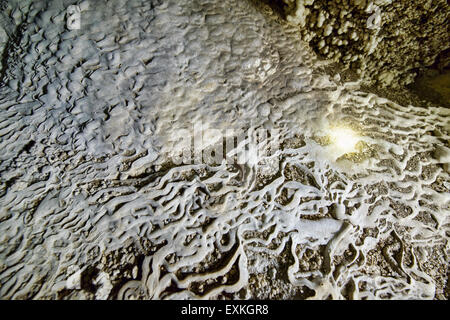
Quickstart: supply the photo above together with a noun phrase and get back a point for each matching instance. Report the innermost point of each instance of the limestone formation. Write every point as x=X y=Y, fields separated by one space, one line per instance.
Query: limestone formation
x=387 y=42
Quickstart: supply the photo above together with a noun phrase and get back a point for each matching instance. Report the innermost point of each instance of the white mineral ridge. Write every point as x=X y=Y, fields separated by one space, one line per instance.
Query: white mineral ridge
x=90 y=120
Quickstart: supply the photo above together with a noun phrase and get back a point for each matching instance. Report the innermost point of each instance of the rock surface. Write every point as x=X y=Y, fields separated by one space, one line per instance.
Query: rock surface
x=93 y=205
x=387 y=42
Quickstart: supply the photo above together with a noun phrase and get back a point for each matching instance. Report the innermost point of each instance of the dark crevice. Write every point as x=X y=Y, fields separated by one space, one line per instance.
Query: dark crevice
x=10 y=47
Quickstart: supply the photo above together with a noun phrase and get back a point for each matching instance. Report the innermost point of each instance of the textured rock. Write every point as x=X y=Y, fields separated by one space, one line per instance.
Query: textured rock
x=92 y=205
x=386 y=42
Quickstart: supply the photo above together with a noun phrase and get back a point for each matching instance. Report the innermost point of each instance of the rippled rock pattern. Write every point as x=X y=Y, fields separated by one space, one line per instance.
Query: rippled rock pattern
x=92 y=206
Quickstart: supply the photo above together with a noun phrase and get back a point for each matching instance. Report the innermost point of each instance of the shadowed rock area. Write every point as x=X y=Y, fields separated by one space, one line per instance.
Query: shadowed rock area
x=387 y=43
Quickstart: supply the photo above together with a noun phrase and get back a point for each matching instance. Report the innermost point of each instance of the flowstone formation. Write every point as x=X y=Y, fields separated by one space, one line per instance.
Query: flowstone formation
x=386 y=42
x=352 y=202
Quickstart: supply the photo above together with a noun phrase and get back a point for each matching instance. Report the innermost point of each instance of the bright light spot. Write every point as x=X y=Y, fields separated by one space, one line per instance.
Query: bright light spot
x=344 y=139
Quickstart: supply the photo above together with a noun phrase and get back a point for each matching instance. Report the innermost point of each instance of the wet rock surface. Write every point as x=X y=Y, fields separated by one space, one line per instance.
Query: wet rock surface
x=93 y=205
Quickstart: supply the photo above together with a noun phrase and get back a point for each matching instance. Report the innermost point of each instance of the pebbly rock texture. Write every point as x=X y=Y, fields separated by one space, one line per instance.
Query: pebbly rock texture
x=386 y=42
x=93 y=206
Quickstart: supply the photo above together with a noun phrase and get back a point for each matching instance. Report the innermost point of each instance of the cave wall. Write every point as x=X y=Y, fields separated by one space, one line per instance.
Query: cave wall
x=386 y=42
